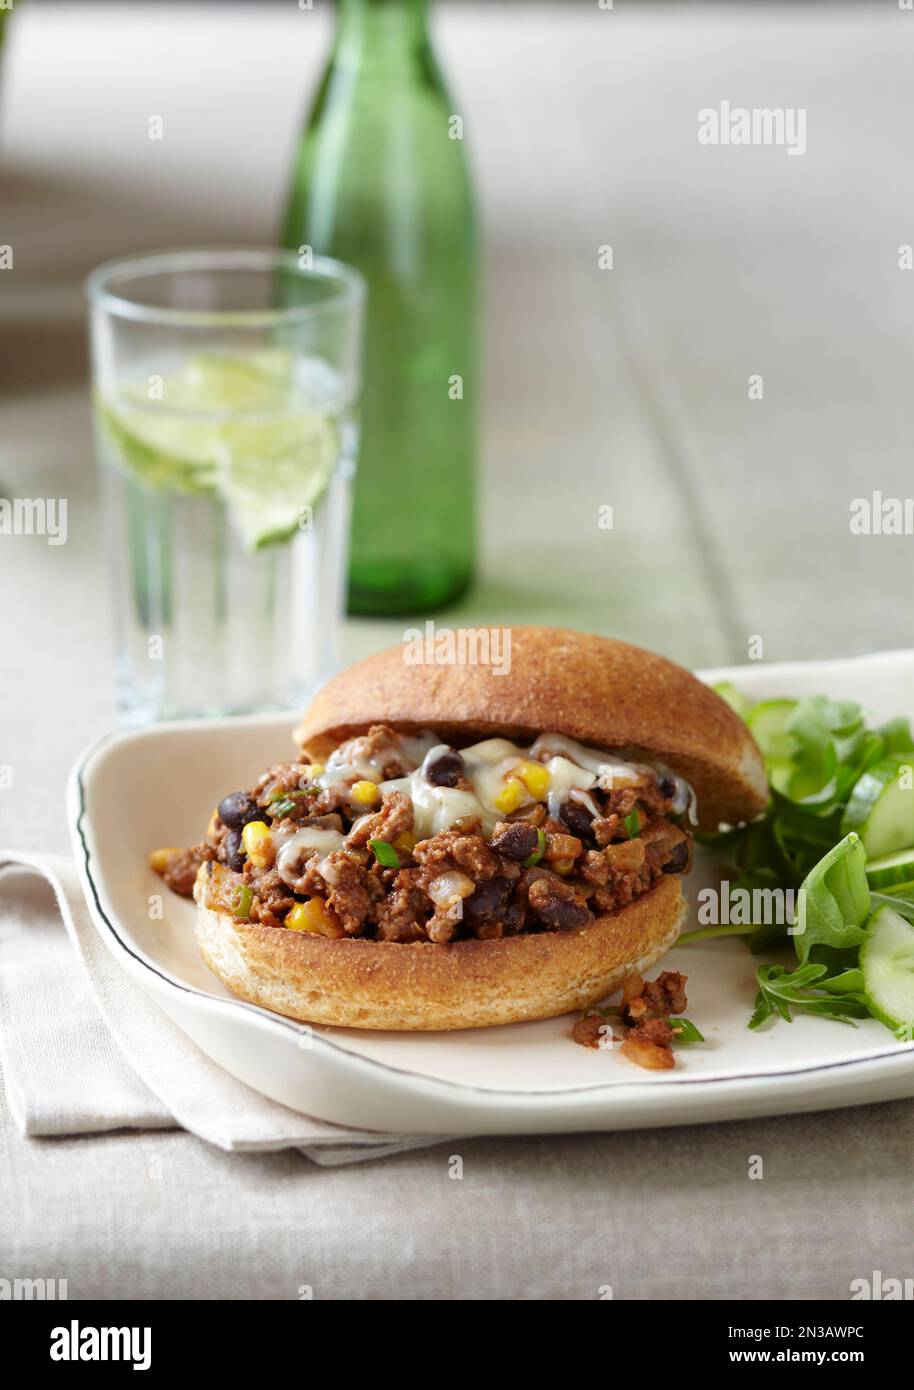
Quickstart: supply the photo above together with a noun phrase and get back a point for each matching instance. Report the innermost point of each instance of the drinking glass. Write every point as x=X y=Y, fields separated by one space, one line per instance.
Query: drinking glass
x=225 y=383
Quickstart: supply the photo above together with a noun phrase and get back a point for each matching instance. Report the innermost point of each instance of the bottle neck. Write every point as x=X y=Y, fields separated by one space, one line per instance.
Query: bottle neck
x=381 y=32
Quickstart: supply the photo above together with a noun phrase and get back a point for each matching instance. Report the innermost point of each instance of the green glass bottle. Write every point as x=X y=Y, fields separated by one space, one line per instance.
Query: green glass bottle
x=381 y=181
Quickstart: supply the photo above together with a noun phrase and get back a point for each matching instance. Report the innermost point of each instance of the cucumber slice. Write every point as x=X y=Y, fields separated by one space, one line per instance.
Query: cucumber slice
x=887 y=962
x=891 y=870
x=881 y=809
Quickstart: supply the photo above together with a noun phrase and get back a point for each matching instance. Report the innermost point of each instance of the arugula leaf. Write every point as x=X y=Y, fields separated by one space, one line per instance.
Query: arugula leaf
x=809 y=989
x=848 y=982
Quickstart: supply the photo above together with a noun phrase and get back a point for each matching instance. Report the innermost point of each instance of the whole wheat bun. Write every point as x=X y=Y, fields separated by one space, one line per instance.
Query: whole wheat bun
x=594 y=689
x=355 y=982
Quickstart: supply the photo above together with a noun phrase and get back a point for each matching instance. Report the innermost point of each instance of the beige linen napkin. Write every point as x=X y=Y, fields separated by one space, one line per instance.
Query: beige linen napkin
x=84 y=1050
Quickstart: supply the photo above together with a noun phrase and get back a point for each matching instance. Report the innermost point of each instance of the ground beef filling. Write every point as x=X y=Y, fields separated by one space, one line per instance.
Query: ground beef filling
x=647 y=1017
x=532 y=873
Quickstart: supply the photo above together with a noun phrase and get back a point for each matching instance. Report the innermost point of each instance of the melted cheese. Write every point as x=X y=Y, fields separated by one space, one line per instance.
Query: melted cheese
x=564 y=778
x=437 y=808
x=345 y=764
x=608 y=772
x=574 y=771
x=572 y=768
x=301 y=844
x=487 y=765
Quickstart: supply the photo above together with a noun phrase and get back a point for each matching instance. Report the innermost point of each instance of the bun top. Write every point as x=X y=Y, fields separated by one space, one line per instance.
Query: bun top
x=551 y=680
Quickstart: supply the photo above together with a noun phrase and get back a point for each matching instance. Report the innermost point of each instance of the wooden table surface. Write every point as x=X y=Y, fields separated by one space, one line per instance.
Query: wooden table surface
x=626 y=387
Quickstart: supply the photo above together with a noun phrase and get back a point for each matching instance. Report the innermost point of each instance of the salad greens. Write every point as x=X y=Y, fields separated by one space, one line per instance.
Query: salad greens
x=841 y=808
x=805 y=988
x=833 y=905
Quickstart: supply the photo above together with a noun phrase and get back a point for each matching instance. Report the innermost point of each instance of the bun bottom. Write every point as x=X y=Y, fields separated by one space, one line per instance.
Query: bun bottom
x=420 y=986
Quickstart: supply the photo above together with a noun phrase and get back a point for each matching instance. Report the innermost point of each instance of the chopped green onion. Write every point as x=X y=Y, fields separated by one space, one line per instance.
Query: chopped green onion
x=281 y=803
x=243 y=901
x=385 y=854
x=684 y=1030
x=538 y=853
x=280 y=795
x=633 y=824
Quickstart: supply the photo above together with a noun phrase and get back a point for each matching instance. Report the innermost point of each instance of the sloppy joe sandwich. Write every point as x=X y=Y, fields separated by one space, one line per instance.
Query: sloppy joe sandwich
x=451 y=848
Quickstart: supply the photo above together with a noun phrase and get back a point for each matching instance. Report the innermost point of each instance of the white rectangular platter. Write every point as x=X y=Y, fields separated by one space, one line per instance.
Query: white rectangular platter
x=134 y=791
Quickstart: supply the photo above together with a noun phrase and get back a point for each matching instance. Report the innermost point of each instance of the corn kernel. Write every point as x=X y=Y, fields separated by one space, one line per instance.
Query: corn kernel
x=258 y=844
x=535 y=778
x=561 y=866
x=406 y=842
x=316 y=917
x=365 y=793
x=160 y=859
x=314 y=771
x=511 y=796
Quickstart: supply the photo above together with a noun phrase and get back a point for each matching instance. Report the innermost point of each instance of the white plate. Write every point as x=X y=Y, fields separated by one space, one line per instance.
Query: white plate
x=134 y=791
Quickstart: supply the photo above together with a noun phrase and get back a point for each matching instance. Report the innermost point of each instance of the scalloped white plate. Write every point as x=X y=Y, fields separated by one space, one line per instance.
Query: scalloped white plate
x=133 y=791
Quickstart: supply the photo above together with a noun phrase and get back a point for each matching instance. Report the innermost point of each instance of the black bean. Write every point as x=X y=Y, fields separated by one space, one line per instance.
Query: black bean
x=489 y=900
x=678 y=859
x=234 y=852
x=512 y=918
x=237 y=809
x=578 y=819
x=557 y=906
x=516 y=840
x=445 y=770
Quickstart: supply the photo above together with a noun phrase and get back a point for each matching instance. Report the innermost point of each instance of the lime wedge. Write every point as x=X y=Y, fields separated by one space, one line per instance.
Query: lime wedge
x=272 y=473
x=169 y=454
x=241 y=385
x=243 y=427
